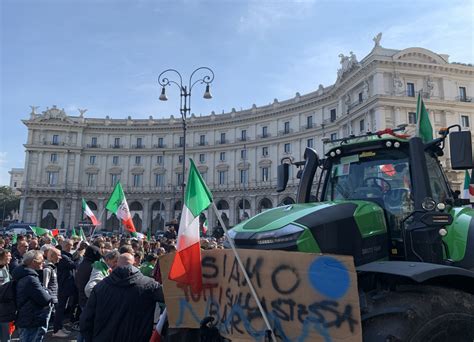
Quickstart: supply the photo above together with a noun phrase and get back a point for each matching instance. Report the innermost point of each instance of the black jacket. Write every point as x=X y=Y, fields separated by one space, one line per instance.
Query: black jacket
x=65 y=270
x=32 y=299
x=50 y=280
x=15 y=261
x=91 y=255
x=121 y=307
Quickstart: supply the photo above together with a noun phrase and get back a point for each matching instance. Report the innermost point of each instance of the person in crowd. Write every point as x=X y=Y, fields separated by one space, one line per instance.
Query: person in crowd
x=50 y=278
x=33 y=243
x=32 y=299
x=17 y=256
x=100 y=270
x=84 y=271
x=2 y=243
x=5 y=277
x=126 y=249
x=66 y=286
x=138 y=255
x=121 y=307
x=149 y=264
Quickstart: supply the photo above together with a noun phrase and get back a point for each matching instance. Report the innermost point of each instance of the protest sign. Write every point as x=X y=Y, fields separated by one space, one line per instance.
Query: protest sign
x=307 y=297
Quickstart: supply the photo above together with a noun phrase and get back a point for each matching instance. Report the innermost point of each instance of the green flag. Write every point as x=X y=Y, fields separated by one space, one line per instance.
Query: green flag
x=15 y=237
x=82 y=235
x=424 y=130
x=148 y=234
x=40 y=231
x=74 y=234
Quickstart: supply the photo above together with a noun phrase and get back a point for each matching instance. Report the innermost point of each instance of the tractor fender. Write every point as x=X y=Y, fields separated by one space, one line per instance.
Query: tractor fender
x=423 y=272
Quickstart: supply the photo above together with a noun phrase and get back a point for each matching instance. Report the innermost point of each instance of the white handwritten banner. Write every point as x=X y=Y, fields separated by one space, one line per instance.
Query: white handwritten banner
x=307 y=297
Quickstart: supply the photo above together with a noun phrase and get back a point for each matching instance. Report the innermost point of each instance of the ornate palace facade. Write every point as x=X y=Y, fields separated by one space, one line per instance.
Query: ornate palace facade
x=70 y=157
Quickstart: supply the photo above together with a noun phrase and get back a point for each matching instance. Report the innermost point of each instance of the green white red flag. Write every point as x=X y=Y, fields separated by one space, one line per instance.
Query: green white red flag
x=186 y=266
x=118 y=205
x=468 y=188
x=89 y=213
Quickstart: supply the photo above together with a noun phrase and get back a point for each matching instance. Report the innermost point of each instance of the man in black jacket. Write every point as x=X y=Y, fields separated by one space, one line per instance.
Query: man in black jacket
x=121 y=307
x=66 y=287
x=17 y=255
x=32 y=299
x=91 y=255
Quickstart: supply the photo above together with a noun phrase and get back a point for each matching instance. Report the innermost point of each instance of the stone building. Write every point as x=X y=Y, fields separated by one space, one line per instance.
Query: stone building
x=73 y=157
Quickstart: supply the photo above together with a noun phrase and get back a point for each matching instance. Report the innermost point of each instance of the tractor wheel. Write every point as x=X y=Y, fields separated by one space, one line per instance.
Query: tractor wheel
x=420 y=314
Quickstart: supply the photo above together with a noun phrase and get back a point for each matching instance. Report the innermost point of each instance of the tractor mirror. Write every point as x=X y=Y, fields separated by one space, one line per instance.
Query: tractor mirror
x=283 y=170
x=461 y=150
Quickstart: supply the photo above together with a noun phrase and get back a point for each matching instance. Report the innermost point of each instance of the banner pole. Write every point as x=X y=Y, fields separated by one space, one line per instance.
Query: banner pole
x=252 y=289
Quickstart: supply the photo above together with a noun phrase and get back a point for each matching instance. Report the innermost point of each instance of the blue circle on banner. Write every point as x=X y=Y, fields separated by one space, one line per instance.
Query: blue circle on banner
x=329 y=277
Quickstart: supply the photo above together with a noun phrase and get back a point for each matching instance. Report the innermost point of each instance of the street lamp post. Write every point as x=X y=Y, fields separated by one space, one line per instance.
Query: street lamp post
x=185 y=100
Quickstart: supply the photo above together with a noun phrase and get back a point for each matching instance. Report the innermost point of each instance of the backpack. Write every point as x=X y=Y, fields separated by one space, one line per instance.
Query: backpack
x=8 y=309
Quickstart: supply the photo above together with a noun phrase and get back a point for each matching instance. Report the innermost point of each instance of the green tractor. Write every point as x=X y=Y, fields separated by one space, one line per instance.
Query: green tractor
x=384 y=199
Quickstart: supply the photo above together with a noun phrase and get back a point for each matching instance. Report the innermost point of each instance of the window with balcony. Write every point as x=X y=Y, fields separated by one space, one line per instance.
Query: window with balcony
x=55 y=140
x=159 y=160
x=265 y=151
x=222 y=156
x=243 y=154
x=139 y=143
x=333 y=115
x=202 y=140
x=243 y=135
x=287 y=148
x=410 y=89
x=264 y=131
x=264 y=174
x=137 y=179
x=53 y=177
x=94 y=142
x=202 y=158
x=412 y=118
x=116 y=142
x=54 y=158
x=333 y=136
x=309 y=122
x=465 y=121
x=310 y=143
x=160 y=143
x=462 y=94
x=362 y=126
x=222 y=138
x=181 y=141
x=115 y=160
x=222 y=177
x=138 y=160
x=91 y=179
x=92 y=160
x=286 y=127
x=159 y=179
x=243 y=176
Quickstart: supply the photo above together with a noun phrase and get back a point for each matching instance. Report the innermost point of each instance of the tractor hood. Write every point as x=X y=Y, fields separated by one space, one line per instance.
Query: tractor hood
x=328 y=227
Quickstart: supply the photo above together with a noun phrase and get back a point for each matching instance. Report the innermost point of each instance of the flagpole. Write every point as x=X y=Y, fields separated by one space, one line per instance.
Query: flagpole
x=252 y=289
x=100 y=216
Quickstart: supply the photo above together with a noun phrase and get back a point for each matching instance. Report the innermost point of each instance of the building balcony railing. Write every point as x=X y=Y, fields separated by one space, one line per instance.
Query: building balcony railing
x=285 y=132
x=53 y=143
x=306 y=127
x=264 y=136
x=464 y=98
x=93 y=146
x=203 y=143
x=179 y=145
x=138 y=146
x=159 y=146
x=243 y=139
x=115 y=146
x=222 y=142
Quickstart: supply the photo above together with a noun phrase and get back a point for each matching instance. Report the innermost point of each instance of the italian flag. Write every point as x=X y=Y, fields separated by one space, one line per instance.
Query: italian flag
x=186 y=266
x=89 y=213
x=205 y=227
x=468 y=186
x=42 y=231
x=82 y=235
x=118 y=205
x=424 y=130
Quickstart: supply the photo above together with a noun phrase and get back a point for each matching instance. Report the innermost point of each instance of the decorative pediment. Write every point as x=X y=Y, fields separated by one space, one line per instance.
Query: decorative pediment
x=419 y=55
x=137 y=170
x=92 y=169
x=222 y=167
x=115 y=170
x=52 y=168
x=243 y=166
x=52 y=115
x=265 y=163
x=160 y=170
x=202 y=168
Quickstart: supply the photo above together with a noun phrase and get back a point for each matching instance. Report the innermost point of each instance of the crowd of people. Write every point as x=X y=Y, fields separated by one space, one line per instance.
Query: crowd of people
x=107 y=288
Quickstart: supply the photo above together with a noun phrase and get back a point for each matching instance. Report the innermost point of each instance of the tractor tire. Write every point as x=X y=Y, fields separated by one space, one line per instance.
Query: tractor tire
x=419 y=314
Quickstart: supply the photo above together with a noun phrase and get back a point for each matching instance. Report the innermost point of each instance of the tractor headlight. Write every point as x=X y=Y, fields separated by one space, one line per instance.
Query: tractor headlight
x=428 y=204
x=288 y=233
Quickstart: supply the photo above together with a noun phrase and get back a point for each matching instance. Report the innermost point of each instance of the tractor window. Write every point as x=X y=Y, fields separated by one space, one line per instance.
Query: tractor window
x=370 y=175
x=439 y=188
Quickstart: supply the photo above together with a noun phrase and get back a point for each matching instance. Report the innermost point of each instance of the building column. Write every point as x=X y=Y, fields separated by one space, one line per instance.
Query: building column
x=146 y=220
x=74 y=213
x=398 y=119
x=253 y=205
x=380 y=120
x=62 y=204
x=232 y=210
x=36 y=214
x=102 y=214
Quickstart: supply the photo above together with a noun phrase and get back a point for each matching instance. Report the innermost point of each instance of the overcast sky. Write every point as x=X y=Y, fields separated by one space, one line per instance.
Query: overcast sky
x=106 y=55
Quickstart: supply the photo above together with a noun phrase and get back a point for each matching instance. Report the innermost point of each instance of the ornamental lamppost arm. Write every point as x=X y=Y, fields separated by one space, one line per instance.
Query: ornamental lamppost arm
x=185 y=99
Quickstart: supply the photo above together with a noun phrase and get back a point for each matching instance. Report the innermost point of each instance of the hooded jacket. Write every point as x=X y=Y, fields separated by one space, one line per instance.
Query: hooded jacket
x=32 y=299
x=65 y=270
x=121 y=307
x=91 y=255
